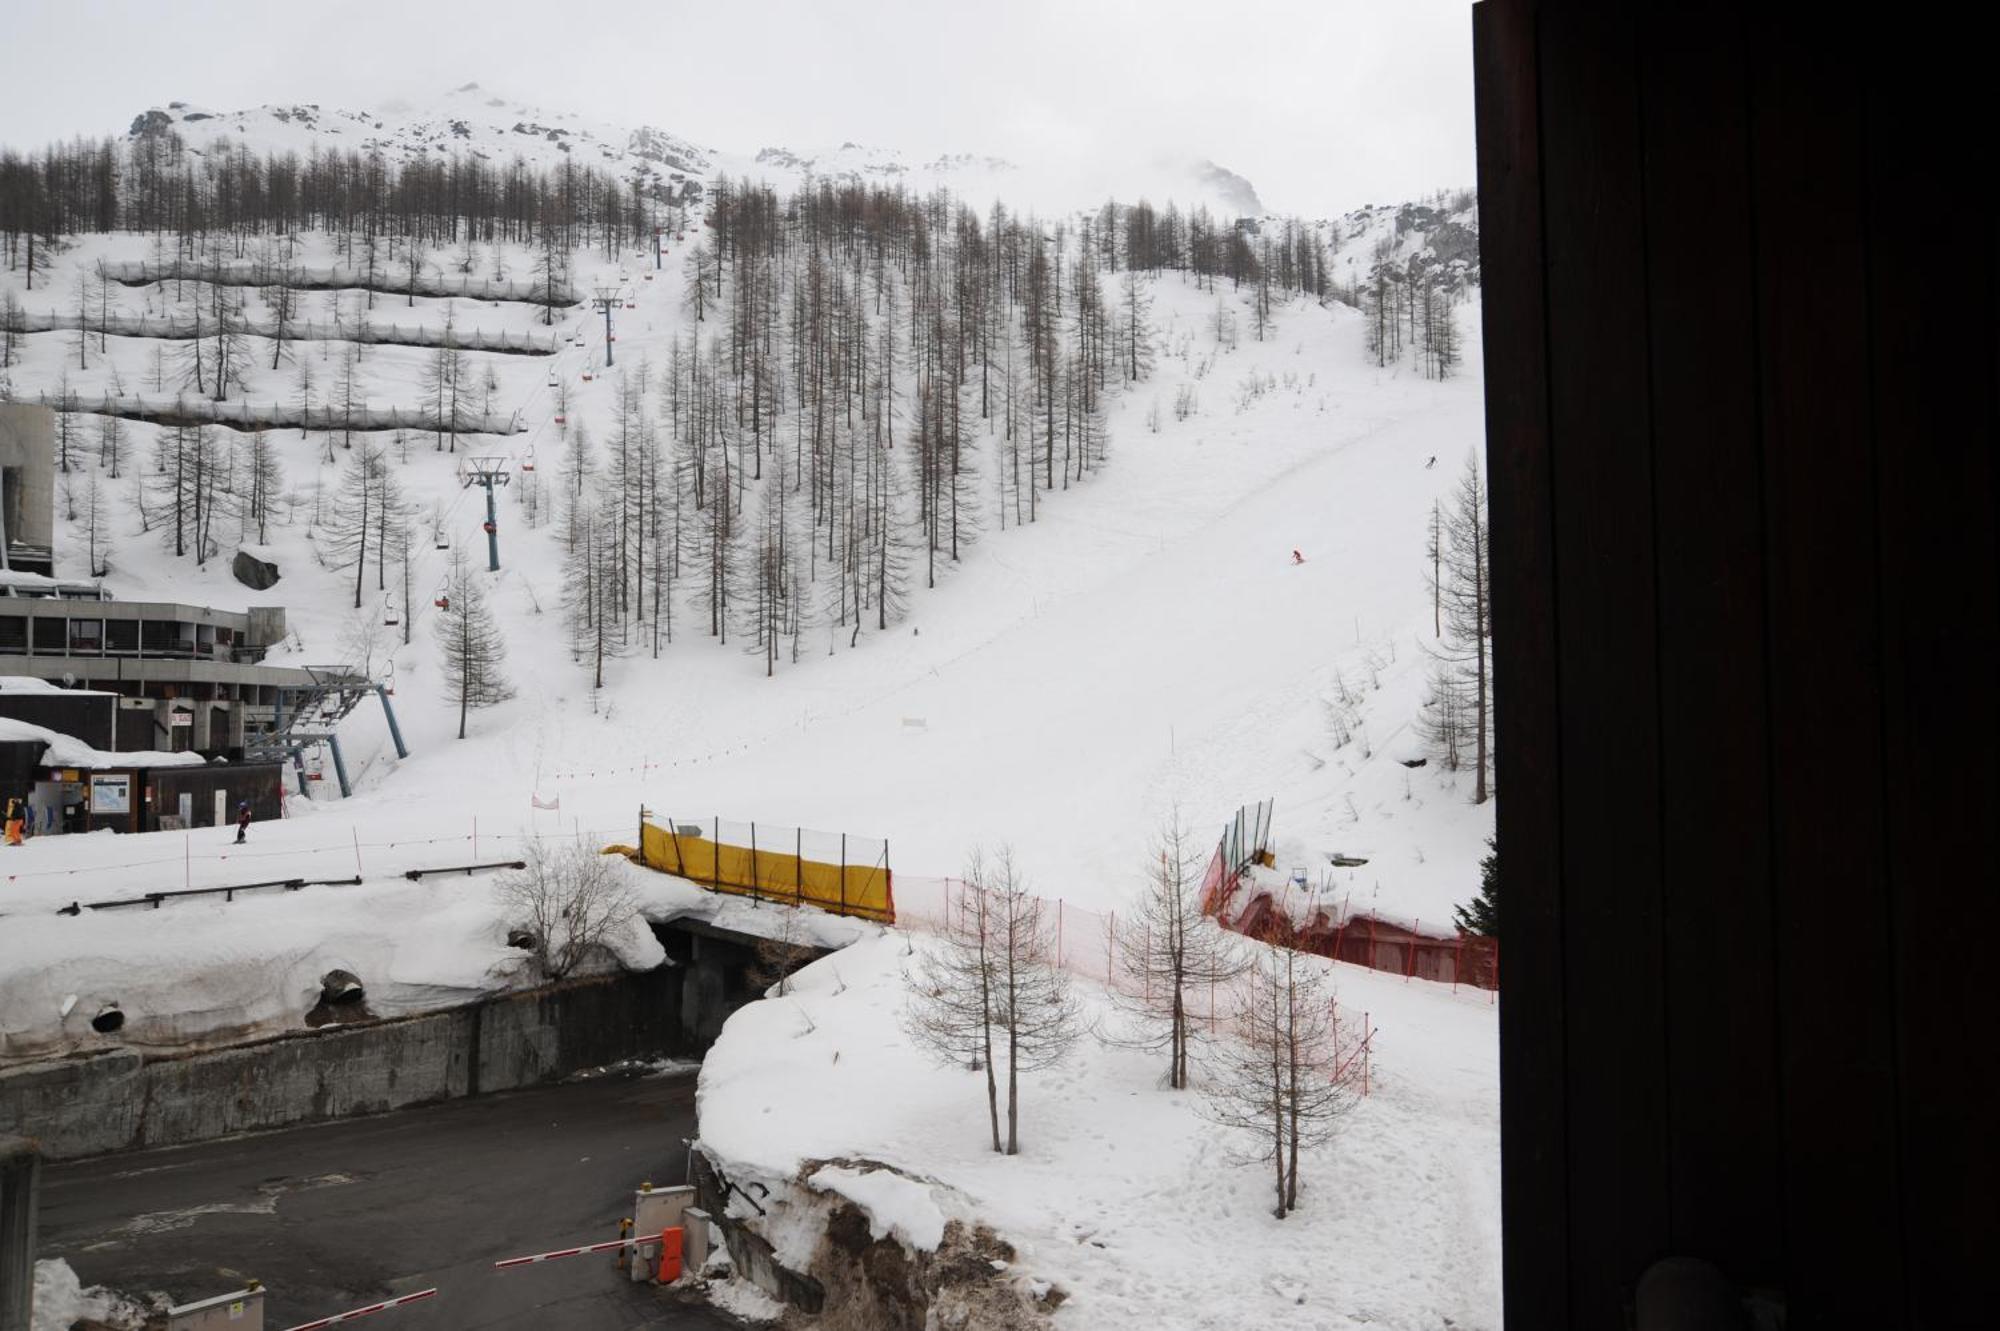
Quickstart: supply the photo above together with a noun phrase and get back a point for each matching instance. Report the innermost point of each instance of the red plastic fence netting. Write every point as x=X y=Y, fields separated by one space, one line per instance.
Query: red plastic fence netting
x=1089 y=943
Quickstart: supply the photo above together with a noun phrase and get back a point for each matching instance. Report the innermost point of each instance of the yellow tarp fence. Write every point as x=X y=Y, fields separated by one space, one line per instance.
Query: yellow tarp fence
x=854 y=889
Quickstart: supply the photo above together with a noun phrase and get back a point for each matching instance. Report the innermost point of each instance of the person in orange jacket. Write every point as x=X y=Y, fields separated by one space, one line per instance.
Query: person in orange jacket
x=17 y=824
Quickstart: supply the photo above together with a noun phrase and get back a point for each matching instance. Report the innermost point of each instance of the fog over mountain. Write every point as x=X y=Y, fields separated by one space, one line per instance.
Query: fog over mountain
x=1323 y=107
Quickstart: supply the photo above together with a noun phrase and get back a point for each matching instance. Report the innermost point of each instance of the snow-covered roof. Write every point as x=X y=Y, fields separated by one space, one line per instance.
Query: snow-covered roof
x=32 y=684
x=68 y=751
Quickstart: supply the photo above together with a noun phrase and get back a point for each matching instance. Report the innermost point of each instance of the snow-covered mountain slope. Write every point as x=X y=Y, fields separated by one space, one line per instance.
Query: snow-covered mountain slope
x=468 y=119
x=474 y=120
x=1148 y=639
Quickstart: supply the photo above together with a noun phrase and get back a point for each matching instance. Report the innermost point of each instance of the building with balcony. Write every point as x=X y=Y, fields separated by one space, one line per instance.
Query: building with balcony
x=185 y=678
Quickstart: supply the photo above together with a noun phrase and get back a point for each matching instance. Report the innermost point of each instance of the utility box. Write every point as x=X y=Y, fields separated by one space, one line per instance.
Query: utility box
x=694 y=1245
x=654 y=1210
x=240 y=1311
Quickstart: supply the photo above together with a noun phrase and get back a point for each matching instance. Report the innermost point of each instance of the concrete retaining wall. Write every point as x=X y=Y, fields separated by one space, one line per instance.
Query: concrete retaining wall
x=122 y=1100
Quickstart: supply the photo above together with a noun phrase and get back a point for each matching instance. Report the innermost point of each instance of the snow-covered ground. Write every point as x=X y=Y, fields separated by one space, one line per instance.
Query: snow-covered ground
x=61 y=1301
x=208 y=970
x=1123 y=1195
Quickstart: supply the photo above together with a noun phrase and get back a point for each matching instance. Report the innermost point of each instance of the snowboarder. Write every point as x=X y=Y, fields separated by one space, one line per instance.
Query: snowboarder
x=16 y=824
x=242 y=822
x=1298 y=558
x=1432 y=463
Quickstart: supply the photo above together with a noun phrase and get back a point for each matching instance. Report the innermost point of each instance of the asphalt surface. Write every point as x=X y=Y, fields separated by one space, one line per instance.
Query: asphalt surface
x=337 y=1215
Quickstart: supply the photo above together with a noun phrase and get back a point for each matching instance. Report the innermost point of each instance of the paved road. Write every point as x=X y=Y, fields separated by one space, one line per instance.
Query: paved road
x=336 y=1215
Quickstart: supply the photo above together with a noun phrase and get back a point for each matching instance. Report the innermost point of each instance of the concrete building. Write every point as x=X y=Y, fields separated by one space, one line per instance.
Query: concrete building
x=186 y=678
x=27 y=487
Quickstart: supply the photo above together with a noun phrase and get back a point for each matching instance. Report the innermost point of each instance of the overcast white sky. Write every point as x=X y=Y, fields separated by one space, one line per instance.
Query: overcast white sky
x=1323 y=104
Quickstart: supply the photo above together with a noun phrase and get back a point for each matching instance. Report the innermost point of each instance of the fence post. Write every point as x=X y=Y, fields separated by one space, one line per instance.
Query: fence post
x=715 y=844
x=1333 y=1016
x=1410 y=956
x=843 y=877
x=755 y=885
x=1367 y=1051
x=680 y=859
x=798 y=866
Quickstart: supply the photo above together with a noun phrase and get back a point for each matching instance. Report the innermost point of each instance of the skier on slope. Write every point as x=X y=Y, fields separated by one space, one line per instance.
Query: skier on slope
x=1298 y=558
x=242 y=822
x=16 y=822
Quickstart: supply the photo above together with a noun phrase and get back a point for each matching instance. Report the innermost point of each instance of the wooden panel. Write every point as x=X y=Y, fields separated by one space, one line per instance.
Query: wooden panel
x=1714 y=774
x=1741 y=357
x=1835 y=980
x=1606 y=654
x=1932 y=347
x=1534 y=1201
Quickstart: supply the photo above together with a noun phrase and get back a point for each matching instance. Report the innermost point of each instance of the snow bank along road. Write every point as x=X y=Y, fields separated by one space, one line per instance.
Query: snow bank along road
x=304 y=1211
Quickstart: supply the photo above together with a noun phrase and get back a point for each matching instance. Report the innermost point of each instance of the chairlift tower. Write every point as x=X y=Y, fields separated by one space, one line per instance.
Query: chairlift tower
x=488 y=472
x=607 y=299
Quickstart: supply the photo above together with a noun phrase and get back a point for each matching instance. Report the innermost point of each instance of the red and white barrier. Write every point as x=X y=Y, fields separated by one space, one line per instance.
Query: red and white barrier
x=369 y=1311
x=606 y=1246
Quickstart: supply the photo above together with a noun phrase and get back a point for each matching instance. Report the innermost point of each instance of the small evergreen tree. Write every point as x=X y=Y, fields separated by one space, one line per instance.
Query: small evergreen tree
x=1481 y=915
